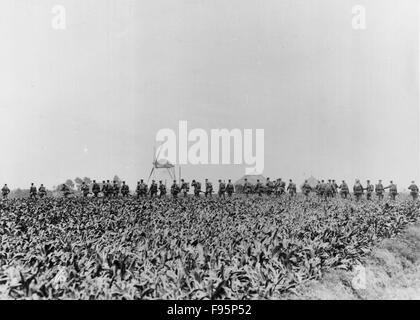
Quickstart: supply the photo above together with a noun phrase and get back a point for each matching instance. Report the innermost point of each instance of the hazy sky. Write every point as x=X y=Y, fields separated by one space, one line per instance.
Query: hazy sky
x=89 y=100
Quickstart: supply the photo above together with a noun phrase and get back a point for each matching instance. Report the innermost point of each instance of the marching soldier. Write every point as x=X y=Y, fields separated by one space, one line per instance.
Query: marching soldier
x=358 y=190
x=162 y=189
x=138 y=190
x=230 y=188
x=108 y=188
x=115 y=189
x=306 y=188
x=197 y=187
x=209 y=189
x=247 y=187
x=143 y=189
x=32 y=192
x=318 y=188
x=414 y=190
x=185 y=187
x=5 y=191
x=280 y=187
x=323 y=189
x=85 y=189
x=276 y=187
x=153 y=189
x=66 y=190
x=104 y=189
x=42 y=191
x=175 y=189
x=291 y=188
x=369 y=190
x=125 y=189
x=222 y=189
x=335 y=187
x=95 y=189
x=269 y=187
x=329 y=189
x=392 y=190
x=344 y=189
x=259 y=188
x=379 y=190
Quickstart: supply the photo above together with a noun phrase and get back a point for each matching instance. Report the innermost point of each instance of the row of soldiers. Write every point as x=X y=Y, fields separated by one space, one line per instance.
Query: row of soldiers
x=108 y=190
x=33 y=191
x=330 y=189
x=113 y=189
x=183 y=187
x=323 y=189
x=278 y=188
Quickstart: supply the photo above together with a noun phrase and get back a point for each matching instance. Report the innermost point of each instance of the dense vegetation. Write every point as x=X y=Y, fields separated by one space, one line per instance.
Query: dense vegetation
x=190 y=248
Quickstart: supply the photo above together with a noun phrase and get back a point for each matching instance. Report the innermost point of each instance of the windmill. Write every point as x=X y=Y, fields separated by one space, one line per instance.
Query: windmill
x=162 y=164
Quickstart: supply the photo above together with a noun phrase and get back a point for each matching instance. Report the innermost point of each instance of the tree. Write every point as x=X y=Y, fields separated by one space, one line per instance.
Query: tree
x=69 y=183
x=78 y=183
x=19 y=193
x=87 y=180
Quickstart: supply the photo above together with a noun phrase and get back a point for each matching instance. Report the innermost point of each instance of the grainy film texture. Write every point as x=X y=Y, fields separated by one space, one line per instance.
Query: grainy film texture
x=198 y=149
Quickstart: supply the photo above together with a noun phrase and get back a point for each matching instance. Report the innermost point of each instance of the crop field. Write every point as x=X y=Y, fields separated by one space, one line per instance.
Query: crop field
x=239 y=248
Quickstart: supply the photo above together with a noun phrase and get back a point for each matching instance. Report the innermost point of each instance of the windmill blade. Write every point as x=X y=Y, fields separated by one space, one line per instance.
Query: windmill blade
x=151 y=172
x=170 y=173
x=173 y=177
x=158 y=154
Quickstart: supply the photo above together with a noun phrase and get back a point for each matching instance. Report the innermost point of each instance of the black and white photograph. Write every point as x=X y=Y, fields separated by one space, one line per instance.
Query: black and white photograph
x=209 y=151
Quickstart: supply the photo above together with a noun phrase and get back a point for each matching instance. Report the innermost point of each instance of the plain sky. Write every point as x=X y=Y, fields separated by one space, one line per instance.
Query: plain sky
x=88 y=101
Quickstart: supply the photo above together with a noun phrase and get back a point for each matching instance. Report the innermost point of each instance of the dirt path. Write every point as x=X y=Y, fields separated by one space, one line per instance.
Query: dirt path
x=391 y=271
